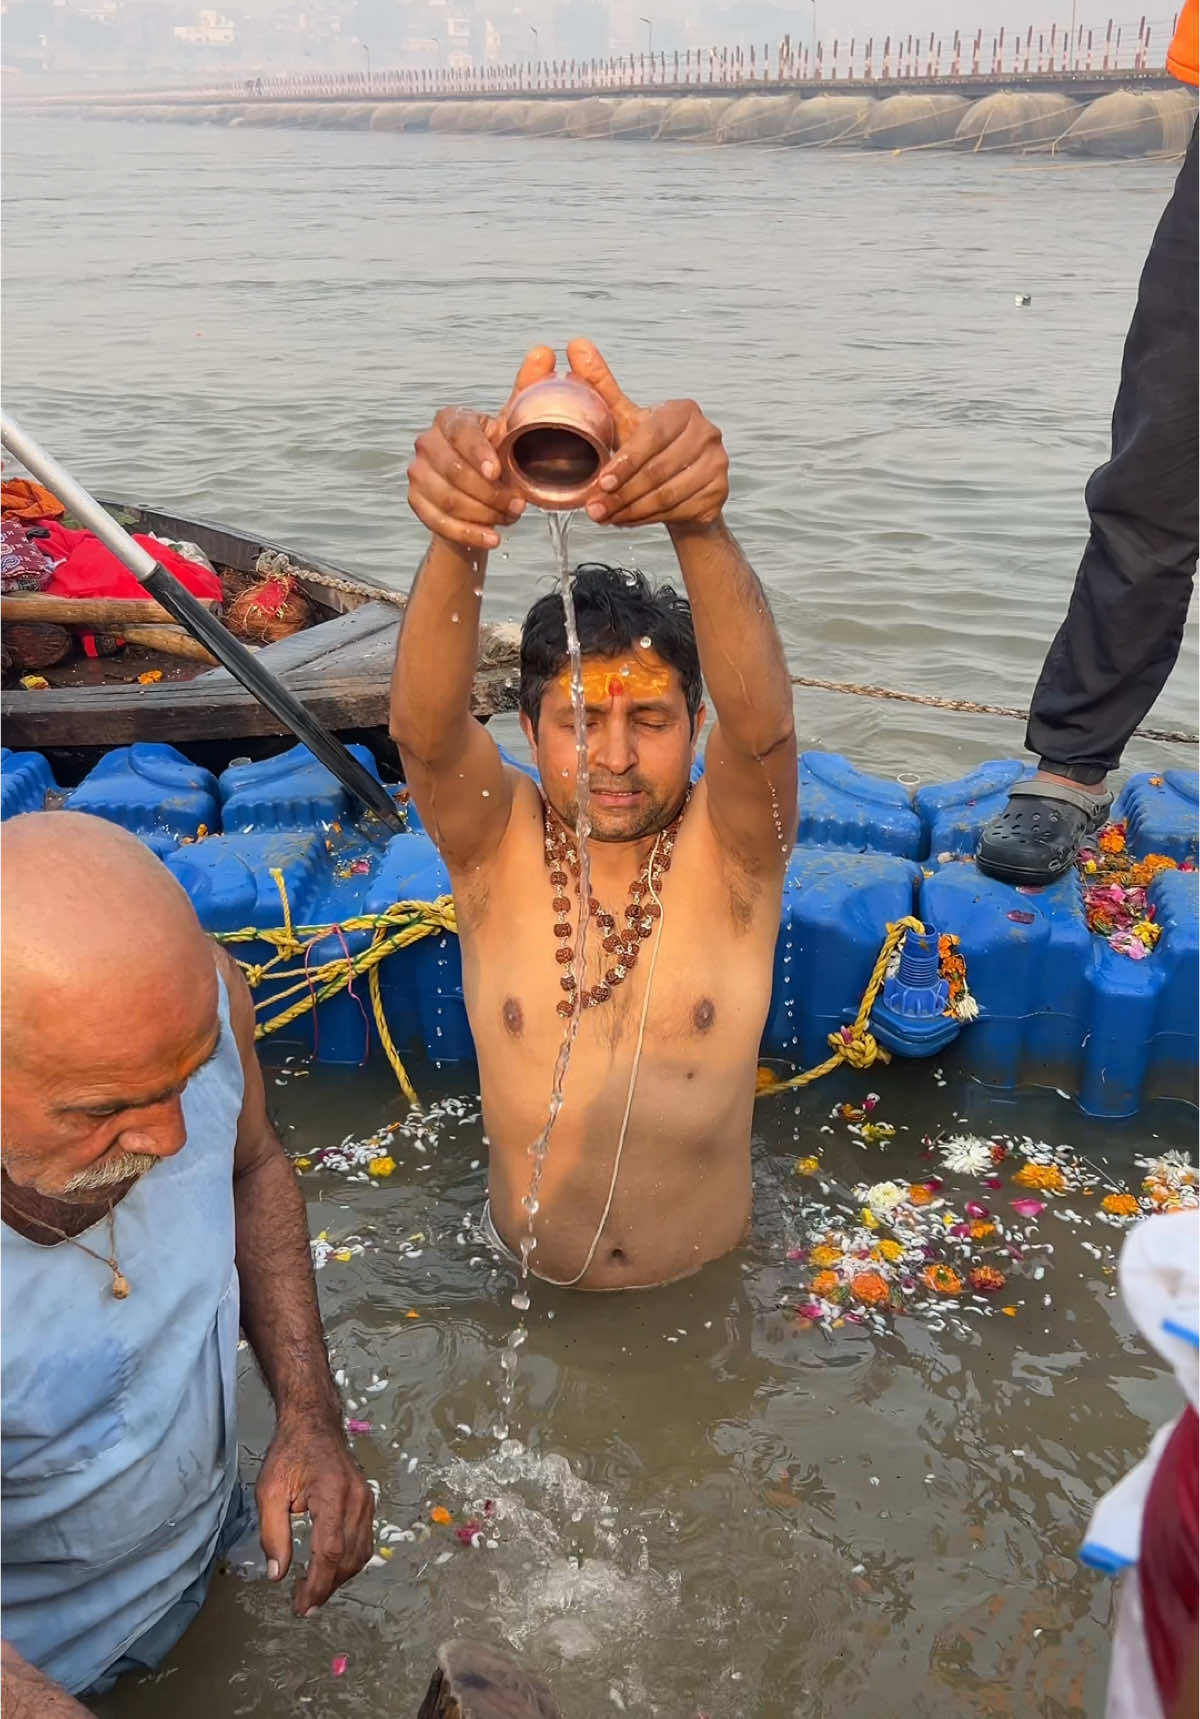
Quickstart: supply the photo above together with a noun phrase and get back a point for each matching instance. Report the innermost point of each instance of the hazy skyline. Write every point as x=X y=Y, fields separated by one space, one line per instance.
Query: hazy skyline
x=207 y=39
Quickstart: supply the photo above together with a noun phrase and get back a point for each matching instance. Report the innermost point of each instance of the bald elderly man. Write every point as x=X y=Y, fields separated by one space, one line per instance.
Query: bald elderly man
x=148 y=1211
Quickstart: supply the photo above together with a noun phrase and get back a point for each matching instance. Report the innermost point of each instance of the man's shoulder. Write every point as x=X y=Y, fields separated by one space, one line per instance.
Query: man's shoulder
x=474 y=884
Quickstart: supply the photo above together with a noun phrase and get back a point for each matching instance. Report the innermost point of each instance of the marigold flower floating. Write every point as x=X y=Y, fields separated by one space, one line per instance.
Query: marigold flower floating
x=440 y=1515
x=1171 y=1184
x=871 y=1288
x=1047 y=1178
x=807 y=1166
x=825 y=1254
x=382 y=1166
x=913 y=1247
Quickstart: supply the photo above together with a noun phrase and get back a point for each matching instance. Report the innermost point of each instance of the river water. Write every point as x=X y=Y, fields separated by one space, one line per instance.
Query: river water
x=720 y=1509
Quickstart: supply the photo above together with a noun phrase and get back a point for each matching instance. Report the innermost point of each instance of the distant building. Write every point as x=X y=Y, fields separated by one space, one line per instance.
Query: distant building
x=213 y=30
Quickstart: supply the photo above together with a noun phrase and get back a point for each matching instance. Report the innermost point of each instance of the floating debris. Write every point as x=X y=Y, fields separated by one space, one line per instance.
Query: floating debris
x=376 y=1156
x=920 y=1249
x=323 y=1250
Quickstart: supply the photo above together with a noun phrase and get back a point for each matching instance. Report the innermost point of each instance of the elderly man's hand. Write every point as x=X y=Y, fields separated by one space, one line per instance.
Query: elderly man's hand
x=309 y=1467
x=670 y=467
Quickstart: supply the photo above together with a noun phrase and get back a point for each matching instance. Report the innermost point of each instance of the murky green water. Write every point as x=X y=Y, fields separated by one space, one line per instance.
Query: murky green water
x=715 y=1511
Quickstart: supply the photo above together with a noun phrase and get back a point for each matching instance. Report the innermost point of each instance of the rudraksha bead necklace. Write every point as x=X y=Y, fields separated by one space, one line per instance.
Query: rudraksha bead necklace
x=621 y=943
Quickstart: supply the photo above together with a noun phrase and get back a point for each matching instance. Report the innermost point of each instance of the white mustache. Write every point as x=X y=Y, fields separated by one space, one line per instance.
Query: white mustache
x=119 y=1169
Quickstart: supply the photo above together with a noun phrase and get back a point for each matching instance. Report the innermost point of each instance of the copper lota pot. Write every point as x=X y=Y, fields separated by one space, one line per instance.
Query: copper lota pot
x=558 y=436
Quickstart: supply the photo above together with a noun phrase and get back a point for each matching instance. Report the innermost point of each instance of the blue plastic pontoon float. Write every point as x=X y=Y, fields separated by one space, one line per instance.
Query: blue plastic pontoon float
x=1058 y=1006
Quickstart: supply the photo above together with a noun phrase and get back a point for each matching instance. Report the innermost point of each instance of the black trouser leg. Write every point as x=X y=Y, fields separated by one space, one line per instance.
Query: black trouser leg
x=1121 y=636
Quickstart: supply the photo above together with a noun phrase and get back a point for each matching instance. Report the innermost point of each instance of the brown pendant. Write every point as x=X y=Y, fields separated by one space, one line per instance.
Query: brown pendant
x=120 y=1284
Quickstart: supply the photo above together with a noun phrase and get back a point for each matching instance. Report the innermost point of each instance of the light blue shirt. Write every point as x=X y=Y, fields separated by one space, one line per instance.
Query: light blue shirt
x=119 y=1443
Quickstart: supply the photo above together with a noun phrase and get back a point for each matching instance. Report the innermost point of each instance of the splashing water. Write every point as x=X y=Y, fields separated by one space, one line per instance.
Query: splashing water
x=558 y=525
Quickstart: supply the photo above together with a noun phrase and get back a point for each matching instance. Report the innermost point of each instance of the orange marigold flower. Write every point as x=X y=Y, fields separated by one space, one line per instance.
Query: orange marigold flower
x=919 y=1194
x=985 y=1279
x=440 y=1515
x=1120 y=1205
x=981 y=1229
x=1143 y=872
x=1111 y=839
x=1048 y=1178
x=870 y=1287
x=826 y=1283
x=942 y=1279
x=825 y=1254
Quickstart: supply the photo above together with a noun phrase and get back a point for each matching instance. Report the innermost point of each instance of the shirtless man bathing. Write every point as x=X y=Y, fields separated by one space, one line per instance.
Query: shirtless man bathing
x=648 y=1174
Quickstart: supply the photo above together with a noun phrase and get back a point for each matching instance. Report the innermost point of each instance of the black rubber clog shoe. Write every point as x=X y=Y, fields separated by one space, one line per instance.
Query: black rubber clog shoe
x=1036 y=838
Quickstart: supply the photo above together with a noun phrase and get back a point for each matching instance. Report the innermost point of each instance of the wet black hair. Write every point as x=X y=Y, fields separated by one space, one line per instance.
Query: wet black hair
x=615 y=608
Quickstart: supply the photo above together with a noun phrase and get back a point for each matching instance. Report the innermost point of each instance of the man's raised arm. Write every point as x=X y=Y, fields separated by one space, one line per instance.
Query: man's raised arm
x=453 y=767
x=671 y=469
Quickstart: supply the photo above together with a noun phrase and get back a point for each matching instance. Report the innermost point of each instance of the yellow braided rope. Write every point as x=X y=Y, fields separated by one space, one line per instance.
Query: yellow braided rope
x=399 y=926
x=854 y=1044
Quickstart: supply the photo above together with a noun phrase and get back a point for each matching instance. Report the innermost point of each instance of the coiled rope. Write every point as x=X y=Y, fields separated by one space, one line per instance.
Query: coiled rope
x=397 y=927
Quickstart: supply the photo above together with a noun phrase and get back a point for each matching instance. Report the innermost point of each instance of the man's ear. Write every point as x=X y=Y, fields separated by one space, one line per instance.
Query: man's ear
x=530 y=733
x=698 y=721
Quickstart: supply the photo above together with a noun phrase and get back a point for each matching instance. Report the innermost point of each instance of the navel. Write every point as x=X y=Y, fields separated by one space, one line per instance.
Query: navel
x=704 y=1014
x=513 y=1017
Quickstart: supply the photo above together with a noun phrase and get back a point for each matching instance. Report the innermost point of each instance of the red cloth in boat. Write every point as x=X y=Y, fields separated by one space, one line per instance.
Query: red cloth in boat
x=1167 y=1562
x=88 y=569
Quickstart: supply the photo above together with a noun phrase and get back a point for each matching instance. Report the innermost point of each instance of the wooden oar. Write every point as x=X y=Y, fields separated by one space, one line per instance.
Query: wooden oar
x=190 y=613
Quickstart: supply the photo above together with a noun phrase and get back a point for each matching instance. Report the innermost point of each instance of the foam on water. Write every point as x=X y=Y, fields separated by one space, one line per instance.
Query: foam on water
x=568 y=1575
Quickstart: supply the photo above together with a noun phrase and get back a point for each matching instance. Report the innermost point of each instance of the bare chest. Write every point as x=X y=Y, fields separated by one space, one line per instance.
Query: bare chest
x=698 y=976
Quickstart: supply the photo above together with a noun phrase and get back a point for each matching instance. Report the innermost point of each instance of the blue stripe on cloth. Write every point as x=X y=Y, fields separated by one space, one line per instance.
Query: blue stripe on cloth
x=1174 y=1329
x=1103 y=1558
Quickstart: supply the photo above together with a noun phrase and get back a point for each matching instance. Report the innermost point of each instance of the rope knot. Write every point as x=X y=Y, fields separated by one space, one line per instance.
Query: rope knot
x=858 y=1048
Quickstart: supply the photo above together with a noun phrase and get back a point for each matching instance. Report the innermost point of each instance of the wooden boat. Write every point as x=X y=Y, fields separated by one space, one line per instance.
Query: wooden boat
x=340 y=666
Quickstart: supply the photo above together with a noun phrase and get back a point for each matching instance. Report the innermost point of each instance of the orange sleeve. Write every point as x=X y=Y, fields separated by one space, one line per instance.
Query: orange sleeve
x=1183 y=55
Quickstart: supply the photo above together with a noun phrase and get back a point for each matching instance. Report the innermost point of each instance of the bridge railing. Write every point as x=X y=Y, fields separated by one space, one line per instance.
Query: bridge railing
x=1089 y=52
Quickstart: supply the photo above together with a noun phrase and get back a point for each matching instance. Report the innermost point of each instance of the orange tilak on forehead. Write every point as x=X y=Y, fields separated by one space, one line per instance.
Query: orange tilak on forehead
x=640 y=676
